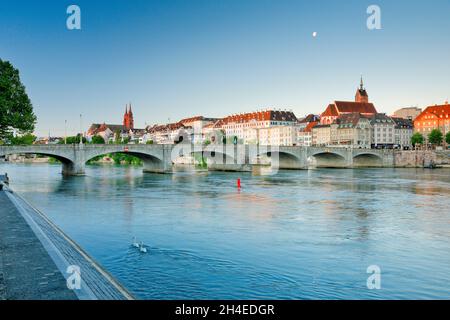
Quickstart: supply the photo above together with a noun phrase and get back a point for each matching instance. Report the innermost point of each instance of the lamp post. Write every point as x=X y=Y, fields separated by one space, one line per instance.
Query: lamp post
x=81 y=130
x=65 y=131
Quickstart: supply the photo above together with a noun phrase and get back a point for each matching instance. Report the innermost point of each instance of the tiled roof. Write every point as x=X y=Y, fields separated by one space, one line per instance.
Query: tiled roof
x=403 y=123
x=310 y=126
x=381 y=118
x=269 y=115
x=355 y=107
x=348 y=119
x=330 y=111
x=440 y=111
x=309 y=118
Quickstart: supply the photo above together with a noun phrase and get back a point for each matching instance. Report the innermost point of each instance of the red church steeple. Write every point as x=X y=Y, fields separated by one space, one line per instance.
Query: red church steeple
x=128 y=121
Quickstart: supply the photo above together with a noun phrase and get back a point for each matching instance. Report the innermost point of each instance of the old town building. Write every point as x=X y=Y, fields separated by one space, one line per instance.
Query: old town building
x=383 y=131
x=111 y=132
x=410 y=113
x=304 y=137
x=321 y=135
x=246 y=127
x=433 y=117
x=404 y=129
x=352 y=130
x=360 y=105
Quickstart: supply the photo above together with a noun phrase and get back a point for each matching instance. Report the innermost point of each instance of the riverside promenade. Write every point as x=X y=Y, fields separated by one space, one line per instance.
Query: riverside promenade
x=37 y=259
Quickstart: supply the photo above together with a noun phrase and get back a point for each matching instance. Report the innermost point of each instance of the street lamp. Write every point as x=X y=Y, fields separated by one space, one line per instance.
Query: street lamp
x=65 y=131
x=81 y=129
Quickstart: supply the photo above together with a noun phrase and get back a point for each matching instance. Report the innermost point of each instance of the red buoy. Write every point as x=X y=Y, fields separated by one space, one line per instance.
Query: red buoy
x=239 y=183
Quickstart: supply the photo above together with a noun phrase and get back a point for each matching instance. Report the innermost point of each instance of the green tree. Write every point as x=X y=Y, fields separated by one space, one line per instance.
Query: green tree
x=16 y=110
x=435 y=137
x=149 y=142
x=447 y=137
x=98 y=140
x=417 y=138
x=73 y=140
x=26 y=139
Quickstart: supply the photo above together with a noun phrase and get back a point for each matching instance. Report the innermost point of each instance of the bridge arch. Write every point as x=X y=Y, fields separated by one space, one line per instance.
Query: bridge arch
x=153 y=161
x=327 y=159
x=281 y=159
x=367 y=159
x=68 y=164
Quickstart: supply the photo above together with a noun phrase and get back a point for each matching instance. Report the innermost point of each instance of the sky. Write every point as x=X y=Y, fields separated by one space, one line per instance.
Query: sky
x=174 y=59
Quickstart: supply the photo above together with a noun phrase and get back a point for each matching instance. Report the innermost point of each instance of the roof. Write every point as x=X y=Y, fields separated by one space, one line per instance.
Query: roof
x=96 y=128
x=381 y=118
x=167 y=127
x=355 y=107
x=440 y=111
x=402 y=123
x=269 y=115
x=349 y=119
x=319 y=126
x=309 y=118
x=310 y=126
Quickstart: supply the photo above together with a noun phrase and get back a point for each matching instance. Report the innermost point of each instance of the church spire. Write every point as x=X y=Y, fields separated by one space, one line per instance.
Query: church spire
x=361 y=93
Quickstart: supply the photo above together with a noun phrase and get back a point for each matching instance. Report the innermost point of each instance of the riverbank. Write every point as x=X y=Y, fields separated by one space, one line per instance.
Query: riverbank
x=37 y=259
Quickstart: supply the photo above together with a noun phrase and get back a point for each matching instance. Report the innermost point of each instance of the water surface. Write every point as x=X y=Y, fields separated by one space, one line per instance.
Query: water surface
x=297 y=235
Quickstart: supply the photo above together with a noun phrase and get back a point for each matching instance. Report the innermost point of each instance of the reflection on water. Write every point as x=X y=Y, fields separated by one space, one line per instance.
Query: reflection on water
x=297 y=235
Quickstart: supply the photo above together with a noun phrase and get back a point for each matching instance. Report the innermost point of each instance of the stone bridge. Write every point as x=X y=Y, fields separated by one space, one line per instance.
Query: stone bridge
x=159 y=158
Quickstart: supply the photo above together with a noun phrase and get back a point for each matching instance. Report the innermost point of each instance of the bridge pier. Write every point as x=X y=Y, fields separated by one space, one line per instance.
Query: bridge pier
x=73 y=169
x=161 y=164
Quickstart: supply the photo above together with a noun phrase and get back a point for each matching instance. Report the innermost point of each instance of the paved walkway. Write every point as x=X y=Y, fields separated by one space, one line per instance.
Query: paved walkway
x=35 y=254
x=26 y=269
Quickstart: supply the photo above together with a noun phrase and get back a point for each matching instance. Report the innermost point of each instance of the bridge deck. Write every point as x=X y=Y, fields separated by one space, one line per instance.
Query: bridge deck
x=35 y=254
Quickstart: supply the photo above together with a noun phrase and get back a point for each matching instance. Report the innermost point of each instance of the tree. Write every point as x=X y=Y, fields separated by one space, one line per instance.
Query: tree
x=149 y=142
x=26 y=139
x=16 y=110
x=447 y=137
x=73 y=140
x=435 y=137
x=417 y=138
x=98 y=140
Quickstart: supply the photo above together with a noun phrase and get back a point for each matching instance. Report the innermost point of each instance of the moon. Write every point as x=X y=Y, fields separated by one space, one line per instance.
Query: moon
x=314 y=34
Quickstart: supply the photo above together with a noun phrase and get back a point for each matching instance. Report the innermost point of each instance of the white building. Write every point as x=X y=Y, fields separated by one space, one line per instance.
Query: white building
x=404 y=129
x=383 y=131
x=253 y=128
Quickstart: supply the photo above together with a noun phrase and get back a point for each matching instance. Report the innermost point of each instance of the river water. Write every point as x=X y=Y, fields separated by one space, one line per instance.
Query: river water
x=296 y=235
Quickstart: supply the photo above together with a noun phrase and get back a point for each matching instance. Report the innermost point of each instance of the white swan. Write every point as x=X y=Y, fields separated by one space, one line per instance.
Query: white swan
x=142 y=248
x=135 y=243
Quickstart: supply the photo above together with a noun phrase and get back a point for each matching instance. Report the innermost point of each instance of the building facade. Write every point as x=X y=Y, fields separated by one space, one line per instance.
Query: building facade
x=383 y=131
x=321 y=135
x=404 y=130
x=255 y=127
x=352 y=130
x=433 y=117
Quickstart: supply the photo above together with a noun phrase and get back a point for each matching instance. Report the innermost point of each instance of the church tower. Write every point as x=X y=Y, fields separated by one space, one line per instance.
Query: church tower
x=128 y=121
x=361 y=93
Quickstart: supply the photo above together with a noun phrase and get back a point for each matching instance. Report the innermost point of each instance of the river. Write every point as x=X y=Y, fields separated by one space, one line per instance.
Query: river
x=297 y=235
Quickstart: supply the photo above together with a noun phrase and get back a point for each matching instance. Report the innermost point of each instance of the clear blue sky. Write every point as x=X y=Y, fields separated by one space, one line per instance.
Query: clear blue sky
x=174 y=59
